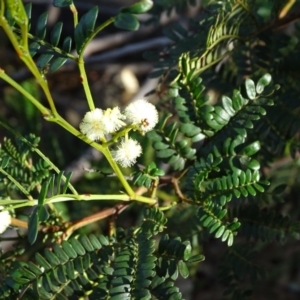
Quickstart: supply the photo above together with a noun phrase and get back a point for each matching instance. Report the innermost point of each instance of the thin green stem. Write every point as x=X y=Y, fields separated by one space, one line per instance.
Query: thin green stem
x=27 y=59
x=6 y=202
x=145 y=200
x=4 y=24
x=118 y=172
x=24 y=204
x=75 y=14
x=154 y=187
x=166 y=197
x=85 y=84
x=120 y=134
x=86 y=197
x=163 y=208
x=83 y=76
x=70 y=197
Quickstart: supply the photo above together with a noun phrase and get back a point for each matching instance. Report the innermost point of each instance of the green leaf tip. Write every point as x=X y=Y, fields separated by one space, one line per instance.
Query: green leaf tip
x=126 y=21
x=138 y=8
x=251 y=149
x=85 y=29
x=263 y=82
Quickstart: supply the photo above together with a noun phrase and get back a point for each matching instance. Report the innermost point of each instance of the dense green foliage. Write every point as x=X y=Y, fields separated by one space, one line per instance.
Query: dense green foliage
x=229 y=101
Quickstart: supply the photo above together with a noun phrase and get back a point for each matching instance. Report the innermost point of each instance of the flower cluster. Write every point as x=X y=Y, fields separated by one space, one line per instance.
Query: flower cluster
x=98 y=123
x=5 y=219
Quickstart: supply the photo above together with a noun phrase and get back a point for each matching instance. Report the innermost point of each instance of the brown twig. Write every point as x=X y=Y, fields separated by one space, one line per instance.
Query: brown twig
x=69 y=227
x=117 y=209
x=175 y=181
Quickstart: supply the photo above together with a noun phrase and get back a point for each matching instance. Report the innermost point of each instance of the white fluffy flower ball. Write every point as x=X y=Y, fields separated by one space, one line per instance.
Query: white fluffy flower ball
x=92 y=126
x=98 y=123
x=142 y=113
x=5 y=219
x=112 y=120
x=127 y=153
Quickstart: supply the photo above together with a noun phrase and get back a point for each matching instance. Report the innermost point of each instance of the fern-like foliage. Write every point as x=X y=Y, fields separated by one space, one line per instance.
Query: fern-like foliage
x=225 y=169
x=126 y=266
x=226 y=124
x=230 y=42
x=256 y=119
x=222 y=26
x=17 y=165
x=147 y=177
x=173 y=142
x=234 y=117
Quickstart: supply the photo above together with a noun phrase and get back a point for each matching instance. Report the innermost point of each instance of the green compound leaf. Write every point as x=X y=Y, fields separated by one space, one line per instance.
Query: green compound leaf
x=154 y=221
x=210 y=217
x=173 y=140
x=84 y=29
x=147 y=176
x=138 y=8
x=127 y=22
